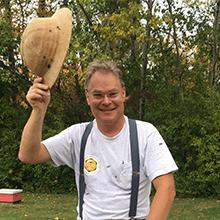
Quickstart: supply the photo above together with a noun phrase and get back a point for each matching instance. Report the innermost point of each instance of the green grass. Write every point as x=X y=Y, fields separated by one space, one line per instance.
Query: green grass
x=40 y=206
x=57 y=207
x=191 y=209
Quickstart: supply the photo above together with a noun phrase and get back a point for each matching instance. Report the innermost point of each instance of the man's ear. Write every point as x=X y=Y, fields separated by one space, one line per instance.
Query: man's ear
x=124 y=93
x=87 y=97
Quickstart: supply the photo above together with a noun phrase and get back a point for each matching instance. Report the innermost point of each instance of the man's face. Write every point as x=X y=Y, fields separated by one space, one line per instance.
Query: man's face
x=106 y=98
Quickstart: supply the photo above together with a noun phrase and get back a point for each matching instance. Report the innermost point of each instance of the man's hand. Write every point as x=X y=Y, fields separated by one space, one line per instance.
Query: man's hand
x=38 y=95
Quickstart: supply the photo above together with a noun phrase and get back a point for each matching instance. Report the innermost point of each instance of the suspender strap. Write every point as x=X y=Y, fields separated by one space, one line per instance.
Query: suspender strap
x=81 y=166
x=135 y=167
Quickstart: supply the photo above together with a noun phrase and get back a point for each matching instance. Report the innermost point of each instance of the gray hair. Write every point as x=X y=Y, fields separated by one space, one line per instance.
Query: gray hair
x=104 y=66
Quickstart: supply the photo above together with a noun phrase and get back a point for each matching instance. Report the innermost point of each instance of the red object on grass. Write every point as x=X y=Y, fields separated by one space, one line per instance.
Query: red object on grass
x=10 y=195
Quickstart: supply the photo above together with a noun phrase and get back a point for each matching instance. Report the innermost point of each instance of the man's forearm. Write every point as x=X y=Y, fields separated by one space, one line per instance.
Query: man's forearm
x=31 y=137
x=161 y=205
x=163 y=199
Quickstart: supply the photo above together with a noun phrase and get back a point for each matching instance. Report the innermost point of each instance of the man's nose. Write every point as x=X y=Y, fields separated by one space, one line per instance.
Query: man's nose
x=106 y=99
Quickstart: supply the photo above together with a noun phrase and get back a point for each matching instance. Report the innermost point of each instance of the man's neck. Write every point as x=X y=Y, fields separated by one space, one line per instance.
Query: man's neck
x=111 y=130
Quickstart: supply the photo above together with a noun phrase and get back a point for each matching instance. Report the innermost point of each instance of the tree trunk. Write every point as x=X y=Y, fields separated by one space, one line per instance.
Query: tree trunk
x=11 y=57
x=41 y=8
x=215 y=46
x=144 y=63
x=179 y=72
x=164 y=58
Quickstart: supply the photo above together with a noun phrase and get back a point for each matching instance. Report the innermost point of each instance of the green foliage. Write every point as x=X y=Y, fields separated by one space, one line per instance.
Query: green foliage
x=191 y=130
x=47 y=179
x=117 y=30
x=15 y=174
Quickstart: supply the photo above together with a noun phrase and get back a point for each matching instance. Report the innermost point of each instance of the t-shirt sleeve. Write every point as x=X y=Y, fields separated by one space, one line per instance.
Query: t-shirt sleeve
x=158 y=159
x=64 y=146
x=60 y=149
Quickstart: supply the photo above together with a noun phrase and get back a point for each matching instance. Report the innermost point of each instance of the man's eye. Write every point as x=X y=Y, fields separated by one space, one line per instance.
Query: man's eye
x=98 y=95
x=113 y=94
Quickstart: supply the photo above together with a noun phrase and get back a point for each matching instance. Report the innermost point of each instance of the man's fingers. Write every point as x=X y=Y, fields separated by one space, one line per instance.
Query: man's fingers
x=38 y=83
x=38 y=91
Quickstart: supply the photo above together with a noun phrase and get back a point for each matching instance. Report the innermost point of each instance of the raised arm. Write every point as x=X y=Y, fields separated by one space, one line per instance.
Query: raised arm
x=32 y=151
x=163 y=199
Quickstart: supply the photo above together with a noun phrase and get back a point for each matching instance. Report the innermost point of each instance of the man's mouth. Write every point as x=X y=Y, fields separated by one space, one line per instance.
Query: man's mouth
x=107 y=110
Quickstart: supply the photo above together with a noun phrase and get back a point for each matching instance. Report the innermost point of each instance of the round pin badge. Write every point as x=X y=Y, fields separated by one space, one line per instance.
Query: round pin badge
x=91 y=166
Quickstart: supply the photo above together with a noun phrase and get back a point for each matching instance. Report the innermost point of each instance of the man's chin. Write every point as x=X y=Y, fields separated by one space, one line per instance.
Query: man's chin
x=107 y=120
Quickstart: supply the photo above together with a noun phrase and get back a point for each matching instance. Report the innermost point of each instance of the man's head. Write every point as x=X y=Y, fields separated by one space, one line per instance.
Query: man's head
x=105 y=94
x=103 y=66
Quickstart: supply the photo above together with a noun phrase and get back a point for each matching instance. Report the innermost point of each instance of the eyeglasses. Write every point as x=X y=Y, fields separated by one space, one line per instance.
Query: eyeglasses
x=100 y=96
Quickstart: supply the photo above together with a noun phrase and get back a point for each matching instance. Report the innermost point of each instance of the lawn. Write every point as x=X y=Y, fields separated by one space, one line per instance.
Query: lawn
x=62 y=207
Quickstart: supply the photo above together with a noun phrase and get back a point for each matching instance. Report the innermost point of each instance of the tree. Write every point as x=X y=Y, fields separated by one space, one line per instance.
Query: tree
x=168 y=54
x=145 y=58
x=215 y=46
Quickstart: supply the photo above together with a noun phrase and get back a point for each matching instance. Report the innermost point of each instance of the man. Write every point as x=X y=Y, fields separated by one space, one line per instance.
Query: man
x=108 y=167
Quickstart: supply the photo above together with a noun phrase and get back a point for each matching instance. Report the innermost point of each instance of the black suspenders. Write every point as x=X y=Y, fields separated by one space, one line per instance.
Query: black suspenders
x=81 y=166
x=135 y=167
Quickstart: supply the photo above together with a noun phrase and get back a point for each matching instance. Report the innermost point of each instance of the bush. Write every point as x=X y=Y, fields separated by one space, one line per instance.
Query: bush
x=191 y=129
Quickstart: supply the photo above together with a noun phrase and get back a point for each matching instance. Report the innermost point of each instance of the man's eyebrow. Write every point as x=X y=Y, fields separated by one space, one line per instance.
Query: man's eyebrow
x=99 y=91
x=96 y=91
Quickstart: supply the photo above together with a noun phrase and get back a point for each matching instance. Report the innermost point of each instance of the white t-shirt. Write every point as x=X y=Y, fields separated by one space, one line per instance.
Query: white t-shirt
x=108 y=167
